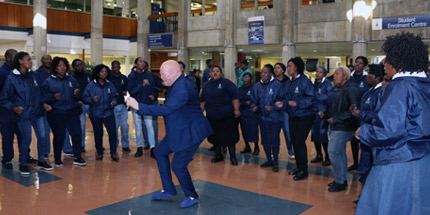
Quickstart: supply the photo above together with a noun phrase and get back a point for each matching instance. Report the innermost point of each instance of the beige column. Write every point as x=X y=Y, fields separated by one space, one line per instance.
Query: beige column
x=39 y=31
x=143 y=11
x=289 y=8
x=230 y=51
x=183 y=13
x=361 y=31
x=96 y=32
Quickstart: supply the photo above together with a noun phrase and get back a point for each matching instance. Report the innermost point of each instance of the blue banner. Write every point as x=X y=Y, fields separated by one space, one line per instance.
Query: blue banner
x=160 y=41
x=256 y=30
x=401 y=22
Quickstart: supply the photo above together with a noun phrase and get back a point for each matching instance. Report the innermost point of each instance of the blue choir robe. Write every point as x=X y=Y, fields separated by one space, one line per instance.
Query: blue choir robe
x=399 y=136
x=321 y=90
x=248 y=119
x=271 y=122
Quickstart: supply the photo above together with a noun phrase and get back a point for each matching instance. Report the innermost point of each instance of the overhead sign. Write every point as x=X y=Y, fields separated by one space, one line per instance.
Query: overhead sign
x=160 y=41
x=256 y=30
x=401 y=22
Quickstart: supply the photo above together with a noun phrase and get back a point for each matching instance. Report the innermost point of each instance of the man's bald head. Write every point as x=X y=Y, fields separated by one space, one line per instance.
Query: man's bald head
x=170 y=71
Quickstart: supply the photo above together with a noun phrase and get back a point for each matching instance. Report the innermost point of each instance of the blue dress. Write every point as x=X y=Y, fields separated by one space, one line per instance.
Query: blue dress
x=248 y=119
x=322 y=90
x=399 y=136
x=271 y=122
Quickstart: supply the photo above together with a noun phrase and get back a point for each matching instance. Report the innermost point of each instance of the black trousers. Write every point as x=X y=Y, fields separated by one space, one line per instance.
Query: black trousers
x=299 y=131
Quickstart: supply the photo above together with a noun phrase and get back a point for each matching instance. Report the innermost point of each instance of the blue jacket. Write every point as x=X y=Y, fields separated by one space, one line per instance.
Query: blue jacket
x=206 y=77
x=400 y=131
x=4 y=72
x=106 y=95
x=360 y=81
x=65 y=87
x=22 y=91
x=121 y=83
x=322 y=90
x=185 y=123
x=301 y=91
x=368 y=104
x=266 y=94
x=218 y=96
x=83 y=79
x=42 y=75
x=137 y=90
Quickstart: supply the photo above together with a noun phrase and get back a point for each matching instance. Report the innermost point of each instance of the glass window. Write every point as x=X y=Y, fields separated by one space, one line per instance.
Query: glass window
x=247 y=5
x=203 y=7
x=309 y=2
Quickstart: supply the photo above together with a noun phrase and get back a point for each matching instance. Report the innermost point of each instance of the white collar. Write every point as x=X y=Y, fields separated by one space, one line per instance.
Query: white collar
x=378 y=85
x=420 y=74
x=95 y=81
x=16 y=72
x=364 y=73
x=291 y=77
x=322 y=81
x=271 y=79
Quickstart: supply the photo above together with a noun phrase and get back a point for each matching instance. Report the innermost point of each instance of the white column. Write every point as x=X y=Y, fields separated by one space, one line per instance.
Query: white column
x=96 y=32
x=289 y=9
x=39 y=30
x=183 y=13
x=143 y=11
x=230 y=51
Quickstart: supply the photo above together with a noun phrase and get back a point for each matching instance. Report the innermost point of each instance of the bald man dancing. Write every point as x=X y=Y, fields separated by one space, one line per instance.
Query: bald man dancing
x=186 y=128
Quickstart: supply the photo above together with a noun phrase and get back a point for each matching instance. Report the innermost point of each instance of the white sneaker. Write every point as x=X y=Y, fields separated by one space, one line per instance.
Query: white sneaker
x=292 y=156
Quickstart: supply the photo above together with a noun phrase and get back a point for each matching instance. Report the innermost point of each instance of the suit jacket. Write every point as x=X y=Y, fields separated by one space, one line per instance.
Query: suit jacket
x=184 y=120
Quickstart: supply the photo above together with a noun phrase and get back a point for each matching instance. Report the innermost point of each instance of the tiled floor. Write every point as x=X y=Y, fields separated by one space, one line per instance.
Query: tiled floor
x=105 y=187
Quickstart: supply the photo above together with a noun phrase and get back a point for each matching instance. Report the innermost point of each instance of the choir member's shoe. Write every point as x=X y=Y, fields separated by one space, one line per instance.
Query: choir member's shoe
x=161 y=195
x=115 y=157
x=24 y=170
x=294 y=171
x=332 y=183
x=152 y=155
x=292 y=156
x=217 y=159
x=247 y=149
x=79 y=161
x=233 y=161
x=189 y=201
x=317 y=159
x=83 y=149
x=44 y=165
x=99 y=157
x=353 y=167
x=68 y=154
x=256 y=151
x=300 y=176
x=126 y=149
x=139 y=152
x=8 y=165
x=327 y=162
x=58 y=162
x=266 y=164
x=337 y=187
x=146 y=147
x=275 y=168
x=31 y=160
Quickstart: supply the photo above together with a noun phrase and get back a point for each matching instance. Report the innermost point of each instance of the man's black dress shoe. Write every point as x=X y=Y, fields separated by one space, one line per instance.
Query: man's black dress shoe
x=337 y=187
x=294 y=171
x=300 y=176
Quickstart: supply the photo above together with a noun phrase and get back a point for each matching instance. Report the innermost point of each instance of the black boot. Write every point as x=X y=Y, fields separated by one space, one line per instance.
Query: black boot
x=139 y=152
x=326 y=162
x=256 y=149
x=247 y=149
x=317 y=159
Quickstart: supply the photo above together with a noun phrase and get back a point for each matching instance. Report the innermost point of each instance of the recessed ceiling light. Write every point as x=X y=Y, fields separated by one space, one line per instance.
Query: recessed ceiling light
x=314 y=50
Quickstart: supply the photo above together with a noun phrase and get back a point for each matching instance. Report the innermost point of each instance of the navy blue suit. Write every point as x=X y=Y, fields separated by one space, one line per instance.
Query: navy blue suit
x=186 y=128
